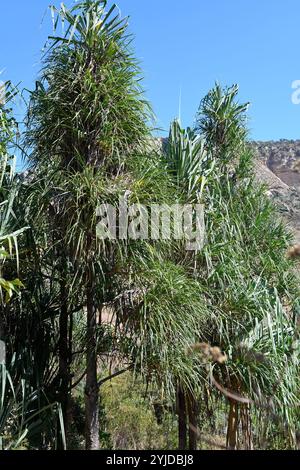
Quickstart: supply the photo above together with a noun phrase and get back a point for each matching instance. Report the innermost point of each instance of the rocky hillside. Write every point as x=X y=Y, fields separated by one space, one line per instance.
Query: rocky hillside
x=282 y=158
x=278 y=166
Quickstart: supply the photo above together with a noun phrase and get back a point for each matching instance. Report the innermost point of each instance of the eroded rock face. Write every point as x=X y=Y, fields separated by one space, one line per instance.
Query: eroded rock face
x=282 y=158
x=278 y=166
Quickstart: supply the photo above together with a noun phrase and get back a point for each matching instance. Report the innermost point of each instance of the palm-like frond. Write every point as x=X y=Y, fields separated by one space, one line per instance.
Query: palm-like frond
x=221 y=120
x=88 y=106
x=188 y=161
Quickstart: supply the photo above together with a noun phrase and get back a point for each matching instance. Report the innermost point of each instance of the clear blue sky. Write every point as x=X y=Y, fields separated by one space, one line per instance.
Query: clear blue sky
x=188 y=45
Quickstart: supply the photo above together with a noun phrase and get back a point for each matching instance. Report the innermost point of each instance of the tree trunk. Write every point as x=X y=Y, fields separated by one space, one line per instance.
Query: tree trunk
x=232 y=429
x=246 y=426
x=64 y=362
x=193 y=422
x=182 y=419
x=209 y=409
x=91 y=389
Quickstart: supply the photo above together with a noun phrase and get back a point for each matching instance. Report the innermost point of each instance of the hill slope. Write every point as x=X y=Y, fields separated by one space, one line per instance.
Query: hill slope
x=277 y=165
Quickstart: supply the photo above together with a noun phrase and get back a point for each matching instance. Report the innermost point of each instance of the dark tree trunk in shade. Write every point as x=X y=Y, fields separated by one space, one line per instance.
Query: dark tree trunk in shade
x=182 y=419
x=91 y=389
x=64 y=361
x=193 y=422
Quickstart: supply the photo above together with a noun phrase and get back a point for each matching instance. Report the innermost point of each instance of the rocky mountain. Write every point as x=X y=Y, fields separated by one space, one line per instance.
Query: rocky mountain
x=278 y=166
x=282 y=158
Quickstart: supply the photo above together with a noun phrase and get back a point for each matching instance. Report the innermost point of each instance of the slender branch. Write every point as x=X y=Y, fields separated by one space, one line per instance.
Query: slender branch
x=229 y=393
x=112 y=376
x=77 y=381
x=82 y=351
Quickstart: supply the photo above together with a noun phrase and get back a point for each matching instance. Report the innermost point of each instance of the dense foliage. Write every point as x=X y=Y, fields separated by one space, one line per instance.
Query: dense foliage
x=207 y=337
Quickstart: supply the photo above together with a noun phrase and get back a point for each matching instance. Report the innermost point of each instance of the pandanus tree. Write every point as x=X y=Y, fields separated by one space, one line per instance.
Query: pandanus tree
x=243 y=287
x=249 y=280
x=85 y=115
x=222 y=121
x=248 y=297
x=190 y=166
